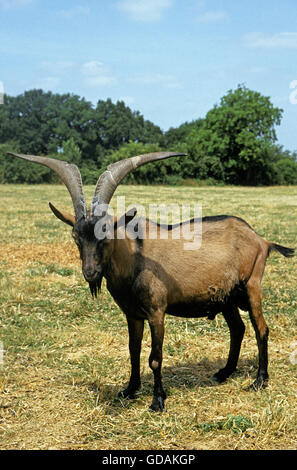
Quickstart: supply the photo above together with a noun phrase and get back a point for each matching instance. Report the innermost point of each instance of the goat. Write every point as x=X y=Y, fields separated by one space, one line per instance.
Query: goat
x=150 y=277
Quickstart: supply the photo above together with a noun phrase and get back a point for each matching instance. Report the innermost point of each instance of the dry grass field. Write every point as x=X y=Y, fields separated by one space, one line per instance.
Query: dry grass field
x=66 y=355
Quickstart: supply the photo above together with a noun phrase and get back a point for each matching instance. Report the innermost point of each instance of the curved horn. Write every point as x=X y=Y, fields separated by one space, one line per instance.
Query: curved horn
x=111 y=178
x=69 y=174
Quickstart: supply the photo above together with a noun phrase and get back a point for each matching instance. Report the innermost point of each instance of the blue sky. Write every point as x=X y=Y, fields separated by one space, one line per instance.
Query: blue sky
x=172 y=60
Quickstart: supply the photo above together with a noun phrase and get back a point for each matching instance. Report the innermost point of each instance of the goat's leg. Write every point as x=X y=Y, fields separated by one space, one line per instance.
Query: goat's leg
x=135 y=327
x=237 y=328
x=261 y=330
x=155 y=362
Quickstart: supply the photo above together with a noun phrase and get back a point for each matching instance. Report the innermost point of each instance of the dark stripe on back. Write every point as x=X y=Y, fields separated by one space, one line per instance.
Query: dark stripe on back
x=207 y=219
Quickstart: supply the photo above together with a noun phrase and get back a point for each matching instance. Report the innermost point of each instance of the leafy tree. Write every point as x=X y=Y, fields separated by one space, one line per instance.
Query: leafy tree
x=287 y=171
x=72 y=118
x=8 y=121
x=71 y=152
x=177 y=136
x=234 y=138
x=69 y=127
x=25 y=119
x=42 y=121
x=116 y=125
x=235 y=143
x=284 y=166
x=150 y=173
x=14 y=170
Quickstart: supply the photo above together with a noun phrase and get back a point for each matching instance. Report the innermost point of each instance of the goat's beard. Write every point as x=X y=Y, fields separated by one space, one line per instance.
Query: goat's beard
x=95 y=286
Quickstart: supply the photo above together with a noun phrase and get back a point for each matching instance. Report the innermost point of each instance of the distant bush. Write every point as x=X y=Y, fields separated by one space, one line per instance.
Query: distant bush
x=286 y=170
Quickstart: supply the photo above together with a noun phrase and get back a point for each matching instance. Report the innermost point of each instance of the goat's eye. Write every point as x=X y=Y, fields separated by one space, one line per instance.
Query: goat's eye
x=76 y=238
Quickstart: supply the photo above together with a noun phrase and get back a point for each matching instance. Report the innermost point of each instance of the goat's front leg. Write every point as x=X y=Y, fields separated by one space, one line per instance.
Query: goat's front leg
x=155 y=360
x=135 y=327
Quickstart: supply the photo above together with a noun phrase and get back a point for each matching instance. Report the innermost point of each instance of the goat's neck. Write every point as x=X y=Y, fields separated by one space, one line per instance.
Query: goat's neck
x=121 y=264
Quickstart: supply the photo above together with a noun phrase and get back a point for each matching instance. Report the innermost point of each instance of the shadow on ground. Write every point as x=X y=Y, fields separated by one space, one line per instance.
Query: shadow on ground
x=184 y=376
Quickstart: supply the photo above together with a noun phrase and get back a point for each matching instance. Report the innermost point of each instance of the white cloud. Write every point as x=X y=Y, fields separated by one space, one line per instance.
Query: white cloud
x=77 y=10
x=6 y=4
x=97 y=73
x=282 y=40
x=55 y=72
x=144 y=10
x=212 y=17
x=166 y=81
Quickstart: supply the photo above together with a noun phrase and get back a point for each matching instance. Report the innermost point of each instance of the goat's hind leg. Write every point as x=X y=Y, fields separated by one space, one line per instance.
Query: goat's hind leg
x=237 y=328
x=135 y=327
x=155 y=361
x=261 y=330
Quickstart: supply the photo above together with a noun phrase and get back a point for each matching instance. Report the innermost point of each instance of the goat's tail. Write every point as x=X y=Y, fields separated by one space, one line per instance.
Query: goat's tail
x=287 y=252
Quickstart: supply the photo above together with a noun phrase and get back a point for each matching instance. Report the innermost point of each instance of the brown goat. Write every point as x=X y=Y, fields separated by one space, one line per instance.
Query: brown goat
x=150 y=277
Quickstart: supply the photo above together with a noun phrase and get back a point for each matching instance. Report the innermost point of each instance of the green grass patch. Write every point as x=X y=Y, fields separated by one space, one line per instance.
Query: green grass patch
x=236 y=424
x=44 y=269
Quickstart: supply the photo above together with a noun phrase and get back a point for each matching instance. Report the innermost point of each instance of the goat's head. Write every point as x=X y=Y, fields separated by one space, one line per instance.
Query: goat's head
x=95 y=251
x=93 y=236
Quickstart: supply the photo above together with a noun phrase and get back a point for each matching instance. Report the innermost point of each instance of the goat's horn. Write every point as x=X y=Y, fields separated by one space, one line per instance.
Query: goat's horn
x=111 y=178
x=69 y=174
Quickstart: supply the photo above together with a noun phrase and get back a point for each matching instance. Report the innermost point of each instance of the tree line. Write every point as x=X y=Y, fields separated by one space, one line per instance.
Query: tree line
x=235 y=143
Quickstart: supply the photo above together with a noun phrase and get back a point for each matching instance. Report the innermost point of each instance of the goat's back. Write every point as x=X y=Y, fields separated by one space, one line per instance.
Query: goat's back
x=226 y=257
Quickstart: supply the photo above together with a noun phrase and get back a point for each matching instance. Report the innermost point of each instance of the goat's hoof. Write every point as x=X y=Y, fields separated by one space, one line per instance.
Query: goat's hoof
x=157 y=404
x=127 y=393
x=259 y=384
x=220 y=376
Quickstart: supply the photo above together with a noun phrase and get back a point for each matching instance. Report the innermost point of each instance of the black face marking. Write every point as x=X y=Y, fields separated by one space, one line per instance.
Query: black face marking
x=85 y=228
x=91 y=253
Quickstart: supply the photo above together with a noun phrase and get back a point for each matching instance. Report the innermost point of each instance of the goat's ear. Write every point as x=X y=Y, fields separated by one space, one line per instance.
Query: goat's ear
x=125 y=219
x=64 y=216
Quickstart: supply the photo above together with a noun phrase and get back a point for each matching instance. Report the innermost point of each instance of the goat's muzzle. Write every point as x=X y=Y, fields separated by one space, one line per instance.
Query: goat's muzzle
x=91 y=275
x=94 y=278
